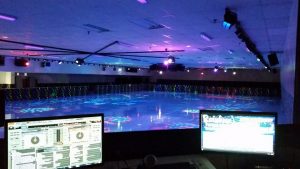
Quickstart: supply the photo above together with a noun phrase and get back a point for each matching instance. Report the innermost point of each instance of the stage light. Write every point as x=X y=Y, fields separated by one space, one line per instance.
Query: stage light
x=160 y=72
x=171 y=59
x=202 y=73
x=166 y=62
x=60 y=62
x=79 y=61
x=234 y=73
x=119 y=69
x=258 y=59
x=188 y=70
x=216 y=69
x=230 y=18
x=22 y=62
x=225 y=70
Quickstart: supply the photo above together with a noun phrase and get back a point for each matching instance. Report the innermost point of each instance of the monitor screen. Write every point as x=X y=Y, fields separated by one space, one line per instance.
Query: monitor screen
x=56 y=142
x=241 y=132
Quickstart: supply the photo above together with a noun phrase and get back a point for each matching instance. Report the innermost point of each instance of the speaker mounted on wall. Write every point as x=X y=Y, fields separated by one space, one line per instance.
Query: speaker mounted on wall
x=273 y=60
x=2 y=60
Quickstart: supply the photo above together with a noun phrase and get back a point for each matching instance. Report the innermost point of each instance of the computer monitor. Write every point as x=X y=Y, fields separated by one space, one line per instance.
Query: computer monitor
x=55 y=142
x=239 y=132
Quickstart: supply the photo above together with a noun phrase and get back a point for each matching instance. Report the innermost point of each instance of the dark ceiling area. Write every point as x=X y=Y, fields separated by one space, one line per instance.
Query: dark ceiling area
x=131 y=33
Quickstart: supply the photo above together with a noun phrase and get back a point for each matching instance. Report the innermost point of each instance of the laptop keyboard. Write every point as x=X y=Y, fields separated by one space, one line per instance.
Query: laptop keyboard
x=182 y=165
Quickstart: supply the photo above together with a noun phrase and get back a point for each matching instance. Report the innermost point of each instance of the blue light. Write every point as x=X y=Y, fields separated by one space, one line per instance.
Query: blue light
x=226 y=25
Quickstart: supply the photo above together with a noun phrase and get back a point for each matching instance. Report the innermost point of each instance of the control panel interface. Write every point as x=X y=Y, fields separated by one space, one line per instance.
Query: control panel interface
x=59 y=143
x=238 y=133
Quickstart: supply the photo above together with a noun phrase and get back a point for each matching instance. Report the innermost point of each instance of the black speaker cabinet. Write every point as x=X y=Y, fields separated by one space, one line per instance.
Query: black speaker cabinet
x=273 y=60
x=2 y=60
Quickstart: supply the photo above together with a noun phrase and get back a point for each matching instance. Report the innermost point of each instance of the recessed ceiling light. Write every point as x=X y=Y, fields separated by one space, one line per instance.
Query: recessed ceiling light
x=205 y=37
x=142 y=1
x=167 y=36
x=33 y=47
x=7 y=18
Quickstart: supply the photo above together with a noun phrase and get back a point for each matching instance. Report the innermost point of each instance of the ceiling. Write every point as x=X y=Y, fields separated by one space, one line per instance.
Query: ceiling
x=62 y=23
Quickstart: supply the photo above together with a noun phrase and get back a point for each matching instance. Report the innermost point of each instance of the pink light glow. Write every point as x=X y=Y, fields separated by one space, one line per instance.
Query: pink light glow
x=142 y=1
x=8 y=18
x=4 y=37
x=27 y=63
x=166 y=62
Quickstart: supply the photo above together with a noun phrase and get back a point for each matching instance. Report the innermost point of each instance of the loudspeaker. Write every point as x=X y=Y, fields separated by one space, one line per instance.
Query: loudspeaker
x=45 y=64
x=2 y=60
x=131 y=69
x=273 y=60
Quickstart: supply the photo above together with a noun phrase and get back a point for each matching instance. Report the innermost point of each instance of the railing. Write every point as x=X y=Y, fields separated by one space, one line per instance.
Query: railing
x=71 y=91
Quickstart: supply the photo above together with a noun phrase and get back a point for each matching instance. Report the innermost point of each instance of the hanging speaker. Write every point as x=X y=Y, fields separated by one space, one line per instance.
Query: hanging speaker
x=273 y=60
x=2 y=60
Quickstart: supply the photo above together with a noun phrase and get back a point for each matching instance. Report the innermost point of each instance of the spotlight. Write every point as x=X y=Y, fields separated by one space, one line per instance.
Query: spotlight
x=160 y=72
x=225 y=70
x=234 y=73
x=166 y=62
x=258 y=59
x=188 y=70
x=216 y=69
x=22 y=62
x=171 y=59
x=60 y=62
x=202 y=73
x=230 y=18
x=79 y=61
x=119 y=69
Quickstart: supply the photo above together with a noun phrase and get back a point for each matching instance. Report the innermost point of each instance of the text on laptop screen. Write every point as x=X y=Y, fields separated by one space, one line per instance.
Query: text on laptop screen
x=55 y=143
x=244 y=133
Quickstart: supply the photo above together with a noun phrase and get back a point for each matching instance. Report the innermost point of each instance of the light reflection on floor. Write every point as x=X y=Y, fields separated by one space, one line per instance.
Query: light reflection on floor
x=139 y=111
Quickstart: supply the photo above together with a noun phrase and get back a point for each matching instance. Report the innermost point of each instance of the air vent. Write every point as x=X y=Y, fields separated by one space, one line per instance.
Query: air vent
x=148 y=24
x=96 y=28
x=206 y=49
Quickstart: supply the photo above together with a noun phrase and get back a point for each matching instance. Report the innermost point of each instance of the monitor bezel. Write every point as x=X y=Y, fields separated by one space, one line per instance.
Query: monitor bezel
x=55 y=118
x=246 y=113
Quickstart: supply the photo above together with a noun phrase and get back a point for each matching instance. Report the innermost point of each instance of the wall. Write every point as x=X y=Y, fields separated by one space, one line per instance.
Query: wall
x=35 y=67
x=288 y=66
x=242 y=75
x=74 y=78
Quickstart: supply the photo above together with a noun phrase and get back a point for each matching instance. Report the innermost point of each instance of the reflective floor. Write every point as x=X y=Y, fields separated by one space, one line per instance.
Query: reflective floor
x=139 y=111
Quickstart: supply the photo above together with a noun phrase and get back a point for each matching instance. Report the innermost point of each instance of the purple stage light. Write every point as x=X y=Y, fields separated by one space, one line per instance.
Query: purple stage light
x=142 y=1
x=166 y=62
